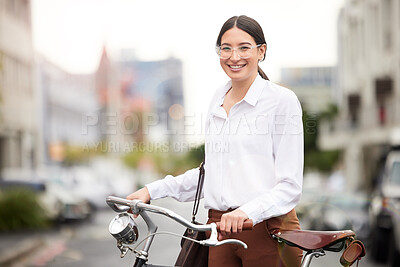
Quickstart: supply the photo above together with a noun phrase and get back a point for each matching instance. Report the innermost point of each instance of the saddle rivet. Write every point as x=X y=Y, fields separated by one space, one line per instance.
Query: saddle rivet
x=334 y=236
x=279 y=233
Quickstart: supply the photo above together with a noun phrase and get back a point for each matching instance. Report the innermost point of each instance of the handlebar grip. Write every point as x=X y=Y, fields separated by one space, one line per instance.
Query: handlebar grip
x=247 y=225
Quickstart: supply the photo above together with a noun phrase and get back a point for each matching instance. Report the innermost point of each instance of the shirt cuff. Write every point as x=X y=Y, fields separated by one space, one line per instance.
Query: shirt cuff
x=157 y=189
x=256 y=211
x=251 y=212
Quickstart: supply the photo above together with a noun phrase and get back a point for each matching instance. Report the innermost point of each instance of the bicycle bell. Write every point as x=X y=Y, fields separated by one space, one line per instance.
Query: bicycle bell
x=124 y=229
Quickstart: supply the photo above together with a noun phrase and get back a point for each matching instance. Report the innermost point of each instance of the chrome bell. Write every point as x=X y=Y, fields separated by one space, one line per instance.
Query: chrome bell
x=124 y=229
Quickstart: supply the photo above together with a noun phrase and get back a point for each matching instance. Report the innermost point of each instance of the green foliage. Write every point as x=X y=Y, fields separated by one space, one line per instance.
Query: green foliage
x=314 y=158
x=187 y=161
x=164 y=161
x=329 y=113
x=19 y=209
x=310 y=125
x=77 y=154
x=323 y=161
x=196 y=155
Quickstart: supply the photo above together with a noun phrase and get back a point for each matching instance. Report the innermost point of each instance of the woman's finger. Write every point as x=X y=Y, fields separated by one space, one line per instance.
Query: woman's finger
x=228 y=226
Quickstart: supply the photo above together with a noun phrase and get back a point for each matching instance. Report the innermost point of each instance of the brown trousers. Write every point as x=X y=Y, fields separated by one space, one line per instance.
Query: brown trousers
x=262 y=250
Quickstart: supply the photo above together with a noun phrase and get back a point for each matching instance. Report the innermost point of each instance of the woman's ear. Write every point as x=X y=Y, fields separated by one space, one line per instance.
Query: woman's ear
x=261 y=52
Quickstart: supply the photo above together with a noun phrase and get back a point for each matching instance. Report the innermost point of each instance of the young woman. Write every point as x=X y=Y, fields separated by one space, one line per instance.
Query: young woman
x=258 y=174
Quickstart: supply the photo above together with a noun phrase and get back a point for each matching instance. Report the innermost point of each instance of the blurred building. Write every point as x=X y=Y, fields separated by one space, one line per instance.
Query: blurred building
x=68 y=105
x=141 y=101
x=109 y=98
x=369 y=87
x=18 y=117
x=157 y=87
x=313 y=86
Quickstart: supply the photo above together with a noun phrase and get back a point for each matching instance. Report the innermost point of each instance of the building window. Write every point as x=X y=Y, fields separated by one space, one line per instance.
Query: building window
x=353 y=102
x=383 y=91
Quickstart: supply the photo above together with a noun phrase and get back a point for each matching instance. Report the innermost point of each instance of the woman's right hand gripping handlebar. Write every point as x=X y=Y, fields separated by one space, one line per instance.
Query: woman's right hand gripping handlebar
x=142 y=195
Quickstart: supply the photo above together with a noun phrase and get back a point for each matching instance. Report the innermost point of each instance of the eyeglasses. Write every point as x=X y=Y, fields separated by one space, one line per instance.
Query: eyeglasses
x=244 y=51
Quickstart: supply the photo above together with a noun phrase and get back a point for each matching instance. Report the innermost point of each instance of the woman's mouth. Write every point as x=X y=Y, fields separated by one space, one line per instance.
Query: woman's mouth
x=236 y=67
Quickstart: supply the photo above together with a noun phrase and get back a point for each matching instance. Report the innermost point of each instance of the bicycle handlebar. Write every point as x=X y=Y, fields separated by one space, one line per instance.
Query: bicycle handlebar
x=138 y=207
x=247 y=225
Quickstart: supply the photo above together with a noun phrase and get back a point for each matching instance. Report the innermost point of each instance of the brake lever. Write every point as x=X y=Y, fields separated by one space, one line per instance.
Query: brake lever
x=213 y=240
x=232 y=241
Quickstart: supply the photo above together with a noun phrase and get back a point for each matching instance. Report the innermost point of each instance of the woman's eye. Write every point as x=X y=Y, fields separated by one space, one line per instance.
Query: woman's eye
x=244 y=48
x=226 y=48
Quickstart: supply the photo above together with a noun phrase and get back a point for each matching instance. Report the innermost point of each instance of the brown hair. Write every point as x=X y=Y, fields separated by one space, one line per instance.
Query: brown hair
x=248 y=25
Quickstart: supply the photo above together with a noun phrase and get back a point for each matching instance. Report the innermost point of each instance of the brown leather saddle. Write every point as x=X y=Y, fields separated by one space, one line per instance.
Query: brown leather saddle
x=309 y=240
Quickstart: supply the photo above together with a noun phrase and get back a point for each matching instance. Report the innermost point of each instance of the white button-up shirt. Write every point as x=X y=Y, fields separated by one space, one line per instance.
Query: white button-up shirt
x=254 y=157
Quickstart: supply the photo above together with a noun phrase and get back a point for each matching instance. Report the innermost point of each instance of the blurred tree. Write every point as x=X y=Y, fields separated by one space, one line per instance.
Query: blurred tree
x=196 y=155
x=329 y=113
x=314 y=158
x=163 y=160
x=19 y=210
x=78 y=155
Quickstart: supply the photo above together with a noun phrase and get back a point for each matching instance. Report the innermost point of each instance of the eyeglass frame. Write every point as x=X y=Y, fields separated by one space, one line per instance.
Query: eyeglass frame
x=218 y=50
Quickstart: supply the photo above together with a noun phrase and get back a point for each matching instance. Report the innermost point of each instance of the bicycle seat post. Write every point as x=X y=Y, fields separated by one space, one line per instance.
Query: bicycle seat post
x=309 y=255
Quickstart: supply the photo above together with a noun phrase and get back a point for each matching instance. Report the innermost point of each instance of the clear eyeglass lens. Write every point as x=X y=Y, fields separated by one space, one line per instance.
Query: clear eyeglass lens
x=242 y=51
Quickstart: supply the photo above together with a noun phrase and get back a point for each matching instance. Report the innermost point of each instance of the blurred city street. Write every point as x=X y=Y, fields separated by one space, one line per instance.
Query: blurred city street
x=100 y=98
x=90 y=244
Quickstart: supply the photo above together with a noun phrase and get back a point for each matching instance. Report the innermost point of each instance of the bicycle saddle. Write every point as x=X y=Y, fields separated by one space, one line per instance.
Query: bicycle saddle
x=312 y=240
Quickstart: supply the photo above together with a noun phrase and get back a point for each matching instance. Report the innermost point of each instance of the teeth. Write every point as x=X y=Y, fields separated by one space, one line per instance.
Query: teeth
x=236 y=66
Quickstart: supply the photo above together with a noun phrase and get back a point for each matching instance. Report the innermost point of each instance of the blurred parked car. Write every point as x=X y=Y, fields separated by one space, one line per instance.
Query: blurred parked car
x=73 y=207
x=337 y=212
x=97 y=181
x=84 y=182
x=385 y=213
x=58 y=203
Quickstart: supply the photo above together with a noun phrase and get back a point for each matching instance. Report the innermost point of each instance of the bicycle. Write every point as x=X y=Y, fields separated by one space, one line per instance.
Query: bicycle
x=123 y=228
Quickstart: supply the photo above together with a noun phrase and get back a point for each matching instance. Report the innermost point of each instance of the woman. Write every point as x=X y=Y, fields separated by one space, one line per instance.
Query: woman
x=258 y=173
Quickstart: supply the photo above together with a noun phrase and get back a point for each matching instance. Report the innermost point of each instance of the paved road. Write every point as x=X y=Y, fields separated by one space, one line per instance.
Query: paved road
x=89 y=244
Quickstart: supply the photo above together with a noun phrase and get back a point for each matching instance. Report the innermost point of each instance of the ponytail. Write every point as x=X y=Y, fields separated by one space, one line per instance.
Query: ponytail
x=262 y=74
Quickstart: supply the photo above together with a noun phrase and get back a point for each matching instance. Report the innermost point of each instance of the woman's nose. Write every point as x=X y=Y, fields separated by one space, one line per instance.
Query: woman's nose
x=235 y=55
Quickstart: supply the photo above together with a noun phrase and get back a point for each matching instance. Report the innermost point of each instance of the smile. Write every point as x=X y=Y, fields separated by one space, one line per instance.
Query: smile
x=237 y=67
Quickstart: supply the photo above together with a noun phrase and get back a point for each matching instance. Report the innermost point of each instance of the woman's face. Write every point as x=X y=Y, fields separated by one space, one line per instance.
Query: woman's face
x=241 y=69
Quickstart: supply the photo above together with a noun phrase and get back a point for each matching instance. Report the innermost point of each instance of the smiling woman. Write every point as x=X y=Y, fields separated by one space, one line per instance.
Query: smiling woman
x=258 y=175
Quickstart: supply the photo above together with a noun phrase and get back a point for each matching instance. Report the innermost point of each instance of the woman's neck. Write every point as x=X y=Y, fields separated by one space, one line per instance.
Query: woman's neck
x=239 y=88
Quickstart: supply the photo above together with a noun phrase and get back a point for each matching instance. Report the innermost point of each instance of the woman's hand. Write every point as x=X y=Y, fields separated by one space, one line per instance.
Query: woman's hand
x=142 y=194
x=232 y=222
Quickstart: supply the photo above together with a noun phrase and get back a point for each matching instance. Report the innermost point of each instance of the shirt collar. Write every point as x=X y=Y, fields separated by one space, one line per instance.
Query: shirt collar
x=255 y=90
x=252 y=95
x=223 y=93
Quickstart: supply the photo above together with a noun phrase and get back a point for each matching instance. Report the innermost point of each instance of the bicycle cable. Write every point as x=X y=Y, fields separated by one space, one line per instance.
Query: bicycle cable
x=161 y=233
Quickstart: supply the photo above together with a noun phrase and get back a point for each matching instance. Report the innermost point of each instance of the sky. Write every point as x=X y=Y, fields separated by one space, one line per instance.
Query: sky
x=72 y=34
